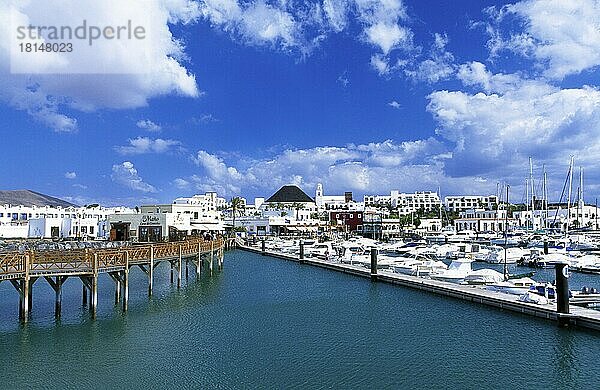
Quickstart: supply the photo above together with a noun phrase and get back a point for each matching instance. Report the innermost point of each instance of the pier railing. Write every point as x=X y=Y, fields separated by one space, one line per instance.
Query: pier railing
x=13 y=264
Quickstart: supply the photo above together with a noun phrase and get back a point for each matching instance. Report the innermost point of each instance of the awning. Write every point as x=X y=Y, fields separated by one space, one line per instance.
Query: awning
x=208 y=226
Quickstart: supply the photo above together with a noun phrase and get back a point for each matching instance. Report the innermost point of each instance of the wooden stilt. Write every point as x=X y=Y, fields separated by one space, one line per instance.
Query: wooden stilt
x=84 y=295
x=199 y=263
x=151 y=271
x=212 y=254
x=179 y=268
x=56 y=285
x=171 y=262
x=126 y=282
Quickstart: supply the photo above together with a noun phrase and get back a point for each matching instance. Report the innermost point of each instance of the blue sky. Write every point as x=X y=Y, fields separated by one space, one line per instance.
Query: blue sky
x=366 y=96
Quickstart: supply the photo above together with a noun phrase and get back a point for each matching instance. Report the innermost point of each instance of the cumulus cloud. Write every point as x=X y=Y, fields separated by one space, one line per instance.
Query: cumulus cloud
x=438 y=66
x=70 y=175
x=52 y=99
x=376 y=167
x=143 y=145
x=126 y=175
x=562 y=36
x=148 y=125
x=180 y=183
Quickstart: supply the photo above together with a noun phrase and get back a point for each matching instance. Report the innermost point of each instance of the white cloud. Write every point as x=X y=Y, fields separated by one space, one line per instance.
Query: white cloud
x=147 y=124
x=373 y=168
x=80 y=186
x=497 y=132
x=48 y=96
x=126 y=175
x=381 y=20
x=395 y=104
x=182 y=184
x=70 y=175
x=563 y=36
x=438 y=66
x=142 y=145
x=380 y=64
x=255 y=22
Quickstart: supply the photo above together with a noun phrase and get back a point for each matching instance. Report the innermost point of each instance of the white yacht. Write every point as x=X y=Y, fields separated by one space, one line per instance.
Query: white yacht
x=512 y=255
x=457 y=271
x=515 y=286
x=483 y=276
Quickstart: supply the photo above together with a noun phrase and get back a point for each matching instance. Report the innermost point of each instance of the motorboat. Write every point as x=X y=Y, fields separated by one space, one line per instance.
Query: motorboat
x=457 y=271
x=513 y=255
x=483 y=276
x=321 y=251
x=515 y=286
x=419 y=266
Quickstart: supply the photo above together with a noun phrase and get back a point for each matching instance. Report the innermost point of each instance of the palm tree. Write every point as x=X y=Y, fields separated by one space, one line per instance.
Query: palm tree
x=236 y=204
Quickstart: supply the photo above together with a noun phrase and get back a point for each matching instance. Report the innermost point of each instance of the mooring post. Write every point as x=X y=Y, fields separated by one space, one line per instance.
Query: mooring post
x=545 y=246
x=179 y=268
x=301 y=250
x=151 y=271
x=263 y=247
x=171 y=262
x=126 y=282
x=30 y=295
x=562 y=293
x=374 y=264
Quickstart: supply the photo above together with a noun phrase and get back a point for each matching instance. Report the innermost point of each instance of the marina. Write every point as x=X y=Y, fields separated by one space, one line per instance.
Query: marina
x=542 y=307
x=264 y=322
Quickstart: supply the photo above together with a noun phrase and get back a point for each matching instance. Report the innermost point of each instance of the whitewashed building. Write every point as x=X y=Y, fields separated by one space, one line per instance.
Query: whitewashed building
x=458 y=203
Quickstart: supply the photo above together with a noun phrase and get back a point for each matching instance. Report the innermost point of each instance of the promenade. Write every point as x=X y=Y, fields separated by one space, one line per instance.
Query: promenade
x=23 y=269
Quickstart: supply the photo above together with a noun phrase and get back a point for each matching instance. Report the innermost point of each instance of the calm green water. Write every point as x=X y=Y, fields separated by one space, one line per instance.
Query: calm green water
x=268 y=323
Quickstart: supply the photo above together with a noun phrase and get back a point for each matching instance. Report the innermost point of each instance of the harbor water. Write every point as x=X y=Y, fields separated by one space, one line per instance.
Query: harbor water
x=269 y=323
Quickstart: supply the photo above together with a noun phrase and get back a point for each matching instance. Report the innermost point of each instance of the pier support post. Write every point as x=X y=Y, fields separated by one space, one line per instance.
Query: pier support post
x=151 y=271
x=562 y=294
x=56 y=285
x=126 y=282
x=94 y=291
x=94 y=286
x=212 y=255
x=179 y=269
x=117 y=291
x=171 y=262
x=373 y=264
x=301 y=250
x=199 y=264
x=84 y=297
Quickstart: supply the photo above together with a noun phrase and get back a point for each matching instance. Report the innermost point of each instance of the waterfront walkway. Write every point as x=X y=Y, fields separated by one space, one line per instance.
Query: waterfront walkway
x=23 y=269
x=578 y=316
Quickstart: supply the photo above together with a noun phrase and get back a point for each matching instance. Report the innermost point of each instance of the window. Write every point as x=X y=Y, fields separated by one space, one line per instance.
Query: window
x=91 y=230
x=83 y=229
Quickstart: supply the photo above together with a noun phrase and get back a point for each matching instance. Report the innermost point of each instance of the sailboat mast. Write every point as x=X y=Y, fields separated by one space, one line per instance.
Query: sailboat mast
x=545 y=195
x=570 y=193
x=532 y=194
x=506 y=235
x=527 y=203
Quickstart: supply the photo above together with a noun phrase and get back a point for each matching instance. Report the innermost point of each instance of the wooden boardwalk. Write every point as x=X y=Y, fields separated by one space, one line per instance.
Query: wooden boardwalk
x=578 y=316
x=23 y=269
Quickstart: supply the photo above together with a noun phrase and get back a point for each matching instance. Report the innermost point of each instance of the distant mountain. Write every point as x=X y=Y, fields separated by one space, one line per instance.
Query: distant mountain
x=31 y=198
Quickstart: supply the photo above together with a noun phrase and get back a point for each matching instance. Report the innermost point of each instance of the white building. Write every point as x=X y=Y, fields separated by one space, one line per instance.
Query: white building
x=581 y=216
x=410 y=203
x=481 y=220
x=458 y=203
x=336 y=202
x=18 y=221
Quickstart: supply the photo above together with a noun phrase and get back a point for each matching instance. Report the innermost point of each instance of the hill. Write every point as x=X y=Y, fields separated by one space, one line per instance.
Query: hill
x=31 y=198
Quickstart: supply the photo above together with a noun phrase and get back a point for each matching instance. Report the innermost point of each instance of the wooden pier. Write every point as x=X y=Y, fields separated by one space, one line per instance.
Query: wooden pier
x=581 y=317
x=23 y=269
